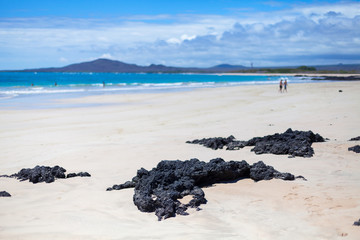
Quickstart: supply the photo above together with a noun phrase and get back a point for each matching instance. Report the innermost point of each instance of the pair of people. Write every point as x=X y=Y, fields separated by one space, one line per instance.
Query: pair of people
x=283 y=85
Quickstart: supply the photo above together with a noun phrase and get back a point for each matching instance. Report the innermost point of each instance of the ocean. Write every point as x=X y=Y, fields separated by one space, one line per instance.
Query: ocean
x=32 y=88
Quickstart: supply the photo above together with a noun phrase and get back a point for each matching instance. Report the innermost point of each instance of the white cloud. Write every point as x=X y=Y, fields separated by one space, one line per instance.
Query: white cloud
x=186 y=37
x=276 y=38
x=63 y=60
x=181 y=39
x=107 y=55
x=173 y=41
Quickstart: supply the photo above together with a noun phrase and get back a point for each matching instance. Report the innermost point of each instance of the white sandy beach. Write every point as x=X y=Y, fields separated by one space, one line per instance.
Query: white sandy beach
x=131 y=131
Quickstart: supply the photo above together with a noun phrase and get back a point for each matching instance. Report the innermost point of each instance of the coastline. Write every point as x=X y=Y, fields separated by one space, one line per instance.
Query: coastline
x=295 y=74
x=49 y=85
x=38 y=89
x=125 y=132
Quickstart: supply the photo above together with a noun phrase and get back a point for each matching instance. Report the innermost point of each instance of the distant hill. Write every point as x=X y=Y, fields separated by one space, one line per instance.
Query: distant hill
x=227 y=68
x=107 y=65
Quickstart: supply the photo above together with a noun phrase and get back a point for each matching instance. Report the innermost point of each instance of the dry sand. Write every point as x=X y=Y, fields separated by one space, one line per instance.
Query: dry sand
x=131 y=131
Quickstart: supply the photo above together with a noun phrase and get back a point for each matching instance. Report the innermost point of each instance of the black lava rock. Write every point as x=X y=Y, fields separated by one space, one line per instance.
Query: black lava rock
x=355 y=148
x=355 y=139
x=83 y=174
x=128 y=184
x=294 y=143
x=357 y=223
x=160 y=189
x=40 y=174
x=214 y=143
x=4 y=194
x=337 y=78
x=71 y=175
x=44 y=174
x=80 y=174
x=236 y=145
x=260 y=171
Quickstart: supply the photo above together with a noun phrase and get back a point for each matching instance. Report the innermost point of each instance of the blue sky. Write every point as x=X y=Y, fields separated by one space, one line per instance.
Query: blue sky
x=179 y=33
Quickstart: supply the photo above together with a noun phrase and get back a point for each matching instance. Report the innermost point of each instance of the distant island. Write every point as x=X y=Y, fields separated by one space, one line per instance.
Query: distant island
x=107 y=65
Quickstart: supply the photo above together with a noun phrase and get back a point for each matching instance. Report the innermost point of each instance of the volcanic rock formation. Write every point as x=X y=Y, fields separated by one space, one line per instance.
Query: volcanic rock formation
x=355 y=139
x=294 y=143
x=355 y=148
x=44 y=174
x=357 y=223
x=160 y=189
x=4 y=194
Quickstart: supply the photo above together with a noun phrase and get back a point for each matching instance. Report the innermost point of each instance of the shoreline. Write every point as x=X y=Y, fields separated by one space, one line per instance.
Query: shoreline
x=294 y=74
x=130 y=131
x=80 y=99
x=15 y=96
x=76 y=100
x=151 y=84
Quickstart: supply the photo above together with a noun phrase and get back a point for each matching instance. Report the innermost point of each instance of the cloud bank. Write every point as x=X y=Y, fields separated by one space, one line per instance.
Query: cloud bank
x=327 y=34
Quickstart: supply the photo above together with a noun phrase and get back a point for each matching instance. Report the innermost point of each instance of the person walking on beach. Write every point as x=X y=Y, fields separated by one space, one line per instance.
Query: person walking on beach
x=285 y=85
x=281 y=85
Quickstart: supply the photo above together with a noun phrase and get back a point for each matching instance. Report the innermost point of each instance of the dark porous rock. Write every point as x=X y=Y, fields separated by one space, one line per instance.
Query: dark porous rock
x=260 y=171
x=293 y=143
x=213 y=143
x=4 y=194
x=355 y=148
x=236 y=145
x=355 y=139
x=71 y=175
x=357 y=223
x=128 y=184
x=338 y=78
x=83 y=174
x=301 y=177
x=44 y=174
x=80 y=174
x=160 y=189
x=41 y=174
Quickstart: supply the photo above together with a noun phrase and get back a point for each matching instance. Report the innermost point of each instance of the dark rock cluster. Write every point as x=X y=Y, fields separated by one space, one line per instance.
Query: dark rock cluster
x=294 y=143
x=214 y=143
x=4 y=194
x=128 y=184
x=355 y=148
x=357 y=223
x=355 y=139
x=160 y=189
x=80 y=174
x=260 y=171
x=337 y=78
x=44 y=174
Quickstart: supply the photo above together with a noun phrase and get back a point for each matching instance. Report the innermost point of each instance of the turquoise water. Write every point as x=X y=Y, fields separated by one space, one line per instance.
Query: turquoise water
x=21 y=87
x=25 y=83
